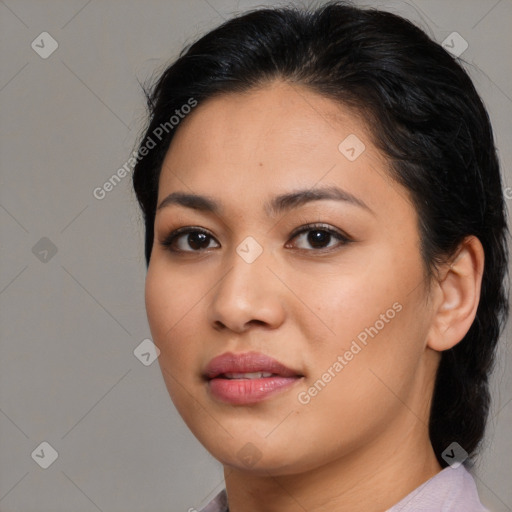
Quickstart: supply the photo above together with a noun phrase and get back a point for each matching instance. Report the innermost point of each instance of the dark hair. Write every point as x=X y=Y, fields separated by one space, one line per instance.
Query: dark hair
x=425 y=115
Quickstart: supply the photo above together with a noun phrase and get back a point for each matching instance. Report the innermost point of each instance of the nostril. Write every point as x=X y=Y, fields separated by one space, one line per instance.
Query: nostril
x=257 y=322
x=218 y=325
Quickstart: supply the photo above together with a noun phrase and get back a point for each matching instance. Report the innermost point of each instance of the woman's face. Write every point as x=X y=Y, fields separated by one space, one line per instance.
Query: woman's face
x=296 y=245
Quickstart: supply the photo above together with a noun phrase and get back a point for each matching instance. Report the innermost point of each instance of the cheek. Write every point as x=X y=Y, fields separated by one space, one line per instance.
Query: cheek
x=171 y=320
x=347 y=304
x=361 y=378
x=158 y=302
x=169 y=307
x=371 y=319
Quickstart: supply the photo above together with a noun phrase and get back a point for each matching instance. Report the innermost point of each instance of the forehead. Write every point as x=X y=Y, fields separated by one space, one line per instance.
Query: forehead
x=269 y=139
x=277 y=115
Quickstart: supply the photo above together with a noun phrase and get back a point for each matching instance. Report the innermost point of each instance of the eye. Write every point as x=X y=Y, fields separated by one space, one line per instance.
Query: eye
x=318 y=236
x=189 y=239
x=314 y=236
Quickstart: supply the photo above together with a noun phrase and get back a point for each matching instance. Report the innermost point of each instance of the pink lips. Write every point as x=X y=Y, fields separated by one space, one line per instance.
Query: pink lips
x=228 y=379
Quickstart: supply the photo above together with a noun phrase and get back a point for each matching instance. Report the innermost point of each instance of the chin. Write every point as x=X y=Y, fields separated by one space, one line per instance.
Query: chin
x=260 y=456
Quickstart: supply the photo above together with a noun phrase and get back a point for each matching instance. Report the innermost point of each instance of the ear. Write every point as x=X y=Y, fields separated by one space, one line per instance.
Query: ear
x=456 y=295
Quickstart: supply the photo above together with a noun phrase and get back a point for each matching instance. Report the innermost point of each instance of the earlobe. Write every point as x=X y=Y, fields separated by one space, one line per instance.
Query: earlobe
x=458 y=291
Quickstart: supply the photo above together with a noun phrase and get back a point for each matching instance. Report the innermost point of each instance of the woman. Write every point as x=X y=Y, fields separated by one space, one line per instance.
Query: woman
x=325 y=240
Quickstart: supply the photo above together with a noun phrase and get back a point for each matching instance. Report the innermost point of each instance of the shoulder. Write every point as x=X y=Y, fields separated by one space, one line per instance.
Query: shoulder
x=218 y=504
x=451 y=490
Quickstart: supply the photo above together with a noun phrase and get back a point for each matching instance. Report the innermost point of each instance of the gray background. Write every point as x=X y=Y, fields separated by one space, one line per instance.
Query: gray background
x=70 y=323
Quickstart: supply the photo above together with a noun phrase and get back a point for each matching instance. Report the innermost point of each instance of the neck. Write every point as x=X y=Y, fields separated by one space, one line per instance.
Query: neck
x=371 y=479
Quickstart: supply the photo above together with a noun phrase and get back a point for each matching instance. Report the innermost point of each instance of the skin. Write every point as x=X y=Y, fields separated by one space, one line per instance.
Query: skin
x=361 y=443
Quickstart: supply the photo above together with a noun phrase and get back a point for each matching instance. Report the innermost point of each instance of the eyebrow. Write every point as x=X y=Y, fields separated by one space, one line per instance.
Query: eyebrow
x=278 y=204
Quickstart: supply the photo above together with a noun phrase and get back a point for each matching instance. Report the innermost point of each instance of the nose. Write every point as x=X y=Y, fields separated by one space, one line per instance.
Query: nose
x=248 y=295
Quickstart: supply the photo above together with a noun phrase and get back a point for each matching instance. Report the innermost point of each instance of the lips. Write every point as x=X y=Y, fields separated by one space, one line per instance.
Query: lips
x=248 y=362
x=247 y=378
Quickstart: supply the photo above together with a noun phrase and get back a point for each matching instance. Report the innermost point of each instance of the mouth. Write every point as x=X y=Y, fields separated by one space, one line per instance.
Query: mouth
x=248 y=375
x=248 y=378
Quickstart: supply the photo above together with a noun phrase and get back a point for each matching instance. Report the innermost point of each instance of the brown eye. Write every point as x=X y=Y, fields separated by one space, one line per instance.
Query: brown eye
x=197 y=240
x=189 y=240
x=318 y=237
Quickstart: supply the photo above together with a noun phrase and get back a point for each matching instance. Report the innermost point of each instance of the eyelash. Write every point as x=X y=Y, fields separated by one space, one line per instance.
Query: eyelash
x=170 y=239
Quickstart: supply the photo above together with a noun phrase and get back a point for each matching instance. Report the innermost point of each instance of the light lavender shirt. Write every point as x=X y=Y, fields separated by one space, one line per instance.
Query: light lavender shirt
x=451 y=490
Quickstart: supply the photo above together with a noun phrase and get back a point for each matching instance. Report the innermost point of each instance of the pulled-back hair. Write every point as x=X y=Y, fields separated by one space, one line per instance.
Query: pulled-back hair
x=424 y=114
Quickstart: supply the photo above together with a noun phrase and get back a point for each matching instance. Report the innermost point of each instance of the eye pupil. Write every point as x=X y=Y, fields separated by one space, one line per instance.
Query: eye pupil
x=319 y=238
x=198 y=240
